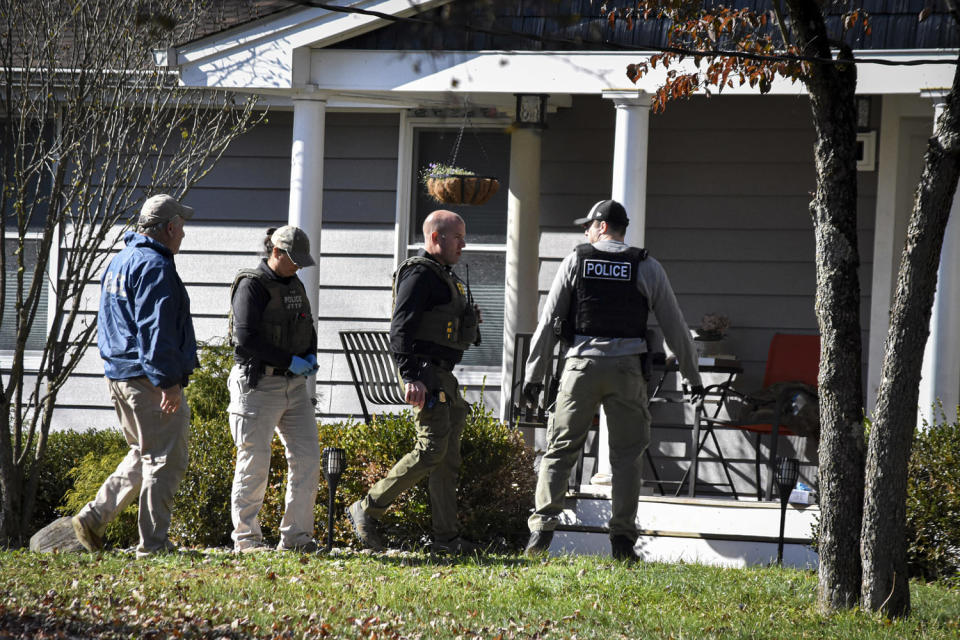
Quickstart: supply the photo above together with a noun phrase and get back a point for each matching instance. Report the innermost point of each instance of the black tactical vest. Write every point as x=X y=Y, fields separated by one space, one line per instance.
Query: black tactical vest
x=607 y=302
x=452 y=325
x=286 y=322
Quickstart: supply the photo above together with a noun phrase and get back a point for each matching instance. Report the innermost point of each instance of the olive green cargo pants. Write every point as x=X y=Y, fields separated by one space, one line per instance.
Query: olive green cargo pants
x=587 y=382
x=437 y=454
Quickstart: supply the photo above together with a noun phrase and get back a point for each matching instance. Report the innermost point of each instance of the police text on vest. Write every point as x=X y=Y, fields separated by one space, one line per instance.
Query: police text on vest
x=606 y=270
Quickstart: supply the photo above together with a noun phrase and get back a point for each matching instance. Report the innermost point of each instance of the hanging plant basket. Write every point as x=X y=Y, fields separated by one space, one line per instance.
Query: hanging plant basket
x=462 y=189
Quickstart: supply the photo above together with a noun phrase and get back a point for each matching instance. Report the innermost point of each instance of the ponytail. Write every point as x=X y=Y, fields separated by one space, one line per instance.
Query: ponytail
x=268 y=243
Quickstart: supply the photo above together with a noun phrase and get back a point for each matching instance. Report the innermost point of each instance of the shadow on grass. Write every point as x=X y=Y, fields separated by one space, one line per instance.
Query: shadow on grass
x=33 y=625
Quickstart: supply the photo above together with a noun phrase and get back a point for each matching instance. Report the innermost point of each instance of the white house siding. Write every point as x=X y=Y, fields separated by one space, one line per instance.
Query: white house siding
x=729 y=182
x=247 y=193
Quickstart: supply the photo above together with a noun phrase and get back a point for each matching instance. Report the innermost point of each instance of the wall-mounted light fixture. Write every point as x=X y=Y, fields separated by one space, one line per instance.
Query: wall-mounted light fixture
x=532 y=110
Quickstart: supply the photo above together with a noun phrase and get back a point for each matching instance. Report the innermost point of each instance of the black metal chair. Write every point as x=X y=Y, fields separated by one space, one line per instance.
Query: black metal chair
x=372 y=368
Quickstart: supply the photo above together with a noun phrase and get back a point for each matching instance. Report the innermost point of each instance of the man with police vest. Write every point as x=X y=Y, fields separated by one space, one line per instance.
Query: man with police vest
x=601 y=296
x=434 y=322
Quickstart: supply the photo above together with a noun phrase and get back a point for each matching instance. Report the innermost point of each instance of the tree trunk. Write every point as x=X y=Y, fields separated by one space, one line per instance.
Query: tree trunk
x=884 y=552
x=834 y=211
x=10 y=490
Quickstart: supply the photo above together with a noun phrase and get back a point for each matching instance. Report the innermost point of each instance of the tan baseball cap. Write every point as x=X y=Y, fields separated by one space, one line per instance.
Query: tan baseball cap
x=162 y=208
x=295 y=242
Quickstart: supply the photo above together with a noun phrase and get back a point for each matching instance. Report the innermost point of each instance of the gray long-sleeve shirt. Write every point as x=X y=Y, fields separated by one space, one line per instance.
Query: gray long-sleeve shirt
x=653 y=284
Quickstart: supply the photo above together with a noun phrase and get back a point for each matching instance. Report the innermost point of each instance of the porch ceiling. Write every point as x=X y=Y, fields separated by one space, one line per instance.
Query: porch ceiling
x=564 y=72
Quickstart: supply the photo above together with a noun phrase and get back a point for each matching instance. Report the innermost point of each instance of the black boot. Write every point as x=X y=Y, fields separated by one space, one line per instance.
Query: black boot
x=622 y=548
x=539 y=543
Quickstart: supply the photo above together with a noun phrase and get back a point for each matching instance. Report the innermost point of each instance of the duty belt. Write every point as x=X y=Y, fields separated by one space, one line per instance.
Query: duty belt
x=446 y=365
x=278 y=371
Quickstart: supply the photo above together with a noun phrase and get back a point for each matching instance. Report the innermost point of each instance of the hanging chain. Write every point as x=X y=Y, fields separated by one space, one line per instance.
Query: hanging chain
x=456 y=146
x=473 y=129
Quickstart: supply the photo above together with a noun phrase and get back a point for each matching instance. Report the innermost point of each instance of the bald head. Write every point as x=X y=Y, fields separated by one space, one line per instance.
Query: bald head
x=444 y=234
x=440 y=221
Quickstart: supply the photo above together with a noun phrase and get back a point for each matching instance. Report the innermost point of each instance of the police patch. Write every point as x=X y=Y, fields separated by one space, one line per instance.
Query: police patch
x=607 y=270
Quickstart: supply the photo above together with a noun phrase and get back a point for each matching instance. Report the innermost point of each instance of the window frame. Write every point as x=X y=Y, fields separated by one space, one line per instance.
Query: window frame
x=490 y=376
x=33 y=357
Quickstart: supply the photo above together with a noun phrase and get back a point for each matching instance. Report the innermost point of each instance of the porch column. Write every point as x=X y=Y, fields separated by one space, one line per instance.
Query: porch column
x=306 y=181
x=523 y=248
x=629 y=188
x=940 y=377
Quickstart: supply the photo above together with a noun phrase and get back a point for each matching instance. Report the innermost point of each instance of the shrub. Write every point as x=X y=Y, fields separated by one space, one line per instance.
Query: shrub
x=64 y=451
x=201 y=510
x=933 y=502
x=496 y=479
x=87 y=477
x=207 y=393
x=495 y=492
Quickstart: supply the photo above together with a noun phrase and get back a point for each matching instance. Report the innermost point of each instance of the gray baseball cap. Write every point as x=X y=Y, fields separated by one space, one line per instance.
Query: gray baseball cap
x=162 y=208
x=295 y=242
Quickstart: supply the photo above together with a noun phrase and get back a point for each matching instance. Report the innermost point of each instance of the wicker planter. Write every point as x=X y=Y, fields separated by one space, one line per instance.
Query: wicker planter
x=462 y=189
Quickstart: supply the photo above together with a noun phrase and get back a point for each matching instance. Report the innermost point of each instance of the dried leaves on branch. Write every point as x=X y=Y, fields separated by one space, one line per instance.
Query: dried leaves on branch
x=715 y=47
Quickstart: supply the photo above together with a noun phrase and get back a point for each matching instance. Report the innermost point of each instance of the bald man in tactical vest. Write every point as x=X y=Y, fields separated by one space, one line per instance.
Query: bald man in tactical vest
x=434 y=322
x=601 y=296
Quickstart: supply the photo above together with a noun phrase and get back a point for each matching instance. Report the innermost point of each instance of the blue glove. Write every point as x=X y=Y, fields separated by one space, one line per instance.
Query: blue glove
x=314 y=367
x=299 y=366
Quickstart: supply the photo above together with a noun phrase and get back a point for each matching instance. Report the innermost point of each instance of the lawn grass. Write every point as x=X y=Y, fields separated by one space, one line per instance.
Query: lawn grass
x=350 y=595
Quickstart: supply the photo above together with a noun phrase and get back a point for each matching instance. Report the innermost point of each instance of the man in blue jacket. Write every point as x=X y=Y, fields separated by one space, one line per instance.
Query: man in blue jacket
x=146 y=340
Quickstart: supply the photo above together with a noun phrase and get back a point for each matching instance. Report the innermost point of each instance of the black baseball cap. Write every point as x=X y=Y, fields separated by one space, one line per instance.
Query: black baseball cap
x=606 y=210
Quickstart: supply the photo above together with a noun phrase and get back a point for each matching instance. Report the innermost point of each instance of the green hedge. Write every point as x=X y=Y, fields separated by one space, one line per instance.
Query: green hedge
x=87 y=477
x=65 y=450
x=933 y=502
x=495 y=493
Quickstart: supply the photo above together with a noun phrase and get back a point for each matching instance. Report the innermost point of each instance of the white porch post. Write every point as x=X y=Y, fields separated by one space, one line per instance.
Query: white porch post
x=523 y=248
x=306 y=182
x=629 y=188
x=940 y=377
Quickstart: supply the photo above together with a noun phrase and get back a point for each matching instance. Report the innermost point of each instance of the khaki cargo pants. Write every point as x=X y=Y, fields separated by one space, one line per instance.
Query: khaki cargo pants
x=437 y=454
x=587 y=382
x=151 y=470
x=283 y=404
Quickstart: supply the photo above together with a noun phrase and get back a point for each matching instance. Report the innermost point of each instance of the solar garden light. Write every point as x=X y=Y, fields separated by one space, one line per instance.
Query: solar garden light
x=334 y=461
x=788 y=469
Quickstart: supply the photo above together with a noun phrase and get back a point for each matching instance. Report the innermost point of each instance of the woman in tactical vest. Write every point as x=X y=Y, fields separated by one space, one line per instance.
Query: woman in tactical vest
x=275 y=350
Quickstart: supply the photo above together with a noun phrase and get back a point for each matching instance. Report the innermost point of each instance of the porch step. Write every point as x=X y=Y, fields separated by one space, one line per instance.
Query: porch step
x=712 y=531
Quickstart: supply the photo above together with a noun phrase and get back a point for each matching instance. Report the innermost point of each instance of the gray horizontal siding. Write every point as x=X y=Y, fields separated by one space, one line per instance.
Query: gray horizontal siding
x=729 y=183
x=249 y=191
x=727 y=214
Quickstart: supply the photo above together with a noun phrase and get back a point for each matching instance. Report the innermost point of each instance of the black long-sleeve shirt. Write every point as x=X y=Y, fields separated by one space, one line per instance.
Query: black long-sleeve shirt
x=249 y=301
x=418 y=289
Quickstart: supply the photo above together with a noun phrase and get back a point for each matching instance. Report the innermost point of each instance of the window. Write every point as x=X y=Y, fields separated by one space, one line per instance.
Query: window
x=39 y=186
x=8 y=329
x=486 y=151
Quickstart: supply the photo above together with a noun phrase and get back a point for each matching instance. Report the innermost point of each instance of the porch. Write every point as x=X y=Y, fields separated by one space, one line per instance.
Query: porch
x=715 y=531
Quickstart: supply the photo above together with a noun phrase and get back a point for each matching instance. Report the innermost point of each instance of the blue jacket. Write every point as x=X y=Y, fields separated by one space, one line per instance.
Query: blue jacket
x=144 y=324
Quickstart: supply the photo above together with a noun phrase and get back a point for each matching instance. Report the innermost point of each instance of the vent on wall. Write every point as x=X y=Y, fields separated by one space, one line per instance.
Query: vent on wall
x=866 y=150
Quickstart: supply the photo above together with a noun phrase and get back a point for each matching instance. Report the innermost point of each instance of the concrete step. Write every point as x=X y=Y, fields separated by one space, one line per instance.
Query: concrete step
x=712 y=531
